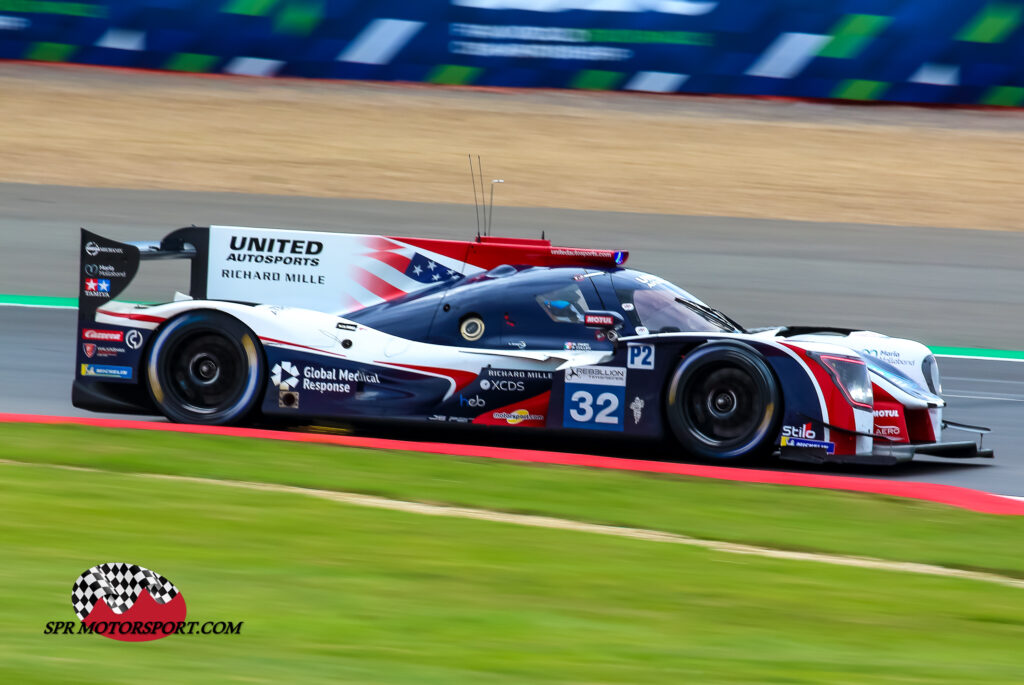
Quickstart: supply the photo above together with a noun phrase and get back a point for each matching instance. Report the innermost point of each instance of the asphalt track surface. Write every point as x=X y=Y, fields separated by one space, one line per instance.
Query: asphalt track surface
x=940 y=286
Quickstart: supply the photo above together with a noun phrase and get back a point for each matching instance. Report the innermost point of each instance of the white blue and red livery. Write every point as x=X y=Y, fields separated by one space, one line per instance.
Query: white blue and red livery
x=303 y=326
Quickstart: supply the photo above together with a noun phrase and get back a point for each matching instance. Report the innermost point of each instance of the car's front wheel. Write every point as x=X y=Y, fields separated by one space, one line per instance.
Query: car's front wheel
x=723 y=403
x=205 y=367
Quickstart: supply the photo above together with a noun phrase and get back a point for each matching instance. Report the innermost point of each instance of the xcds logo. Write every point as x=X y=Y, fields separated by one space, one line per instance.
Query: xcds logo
x=113 y=599
x=503 y=385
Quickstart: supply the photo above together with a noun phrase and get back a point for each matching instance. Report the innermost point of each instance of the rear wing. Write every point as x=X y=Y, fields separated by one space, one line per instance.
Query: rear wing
x=330 y=272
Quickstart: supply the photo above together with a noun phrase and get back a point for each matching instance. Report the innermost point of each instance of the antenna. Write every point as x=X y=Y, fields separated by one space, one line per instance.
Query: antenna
x=480 y=170
x=491 y=214
x=476 y=206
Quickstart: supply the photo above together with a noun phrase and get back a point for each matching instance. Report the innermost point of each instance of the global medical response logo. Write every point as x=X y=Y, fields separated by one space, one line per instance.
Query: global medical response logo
x=127 y=602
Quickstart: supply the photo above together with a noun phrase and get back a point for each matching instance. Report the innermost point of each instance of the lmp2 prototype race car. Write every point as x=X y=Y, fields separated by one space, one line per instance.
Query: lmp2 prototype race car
x=299 y=326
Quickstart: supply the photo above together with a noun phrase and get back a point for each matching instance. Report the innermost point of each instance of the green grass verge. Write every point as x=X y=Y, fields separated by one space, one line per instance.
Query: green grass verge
x=769 y=515
x=336 y=593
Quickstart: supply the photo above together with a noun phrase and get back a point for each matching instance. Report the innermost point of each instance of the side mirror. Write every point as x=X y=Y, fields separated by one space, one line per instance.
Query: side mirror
x=609 y=322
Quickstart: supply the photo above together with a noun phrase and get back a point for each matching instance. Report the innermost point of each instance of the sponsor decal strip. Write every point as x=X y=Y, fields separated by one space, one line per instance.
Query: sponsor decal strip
x=963 y=498
x=45 y=302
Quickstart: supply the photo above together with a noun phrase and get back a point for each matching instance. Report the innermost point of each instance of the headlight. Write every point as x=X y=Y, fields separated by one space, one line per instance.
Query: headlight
x=850 y=374
x=930 y=367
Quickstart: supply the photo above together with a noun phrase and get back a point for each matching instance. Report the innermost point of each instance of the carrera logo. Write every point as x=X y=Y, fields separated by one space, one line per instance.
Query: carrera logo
x=106 y=336
x=805 y=431
x=886 y=413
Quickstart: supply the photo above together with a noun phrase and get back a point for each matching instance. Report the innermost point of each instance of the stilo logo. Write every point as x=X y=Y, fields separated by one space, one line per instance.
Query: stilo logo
x=284 y=375
x=127 y=602
x=804 y=431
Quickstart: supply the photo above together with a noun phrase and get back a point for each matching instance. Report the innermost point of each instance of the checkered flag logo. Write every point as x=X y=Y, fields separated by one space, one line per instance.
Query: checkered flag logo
x=119 y=585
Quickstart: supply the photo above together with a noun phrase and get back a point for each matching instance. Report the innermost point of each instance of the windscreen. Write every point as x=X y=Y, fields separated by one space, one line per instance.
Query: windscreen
x=654 y=304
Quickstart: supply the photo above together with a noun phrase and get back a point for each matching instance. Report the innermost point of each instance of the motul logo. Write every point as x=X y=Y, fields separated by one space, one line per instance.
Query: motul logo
x=887 y=413
x=108 y=336
x=598 y=320
x=803 y=431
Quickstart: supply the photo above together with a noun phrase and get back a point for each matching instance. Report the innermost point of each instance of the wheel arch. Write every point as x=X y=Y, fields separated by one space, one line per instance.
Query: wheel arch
x=250 y=343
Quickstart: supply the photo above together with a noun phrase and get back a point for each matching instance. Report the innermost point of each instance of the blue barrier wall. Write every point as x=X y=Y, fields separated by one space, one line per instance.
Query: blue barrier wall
x=937 y=51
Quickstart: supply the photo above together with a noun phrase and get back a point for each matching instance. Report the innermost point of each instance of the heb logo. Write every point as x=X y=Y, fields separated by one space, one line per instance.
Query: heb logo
x=805 y=431
x=106 y=336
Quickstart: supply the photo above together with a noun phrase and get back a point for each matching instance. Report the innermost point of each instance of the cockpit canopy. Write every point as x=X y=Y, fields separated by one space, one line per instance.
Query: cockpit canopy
x=525 y=307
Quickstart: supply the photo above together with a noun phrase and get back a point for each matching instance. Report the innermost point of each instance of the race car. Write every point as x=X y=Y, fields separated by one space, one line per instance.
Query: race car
x=305 y=326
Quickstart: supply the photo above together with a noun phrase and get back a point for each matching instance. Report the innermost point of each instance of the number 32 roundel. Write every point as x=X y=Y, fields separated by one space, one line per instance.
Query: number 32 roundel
x=594 y=398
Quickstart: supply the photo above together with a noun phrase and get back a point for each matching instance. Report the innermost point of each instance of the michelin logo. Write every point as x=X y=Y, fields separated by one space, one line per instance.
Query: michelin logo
x=829 y=447
x=106 y=371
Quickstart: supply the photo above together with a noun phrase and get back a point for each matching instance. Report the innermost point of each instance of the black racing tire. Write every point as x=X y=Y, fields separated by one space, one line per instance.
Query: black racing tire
x=205 y=367
x=723 y=403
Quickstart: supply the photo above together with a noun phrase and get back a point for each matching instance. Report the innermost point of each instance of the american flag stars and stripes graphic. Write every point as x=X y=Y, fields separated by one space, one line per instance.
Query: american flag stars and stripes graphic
x=388 y=269
x=101 y=285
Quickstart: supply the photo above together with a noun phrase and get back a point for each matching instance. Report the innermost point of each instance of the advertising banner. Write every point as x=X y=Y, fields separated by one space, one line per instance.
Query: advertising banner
x=958 y=51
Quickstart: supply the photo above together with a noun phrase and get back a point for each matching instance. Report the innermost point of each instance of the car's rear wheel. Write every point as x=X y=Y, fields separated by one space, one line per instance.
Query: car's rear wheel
x=723 y=403
x=205 y=367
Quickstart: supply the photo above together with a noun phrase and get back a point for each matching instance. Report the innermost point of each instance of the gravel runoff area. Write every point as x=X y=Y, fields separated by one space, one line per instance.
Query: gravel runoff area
x=604 y=151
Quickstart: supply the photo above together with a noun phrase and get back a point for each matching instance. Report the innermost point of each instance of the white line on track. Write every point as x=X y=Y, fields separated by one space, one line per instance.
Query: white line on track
x=984 y=397
x=562 y=524
x=987 y=359
x=38 y=306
